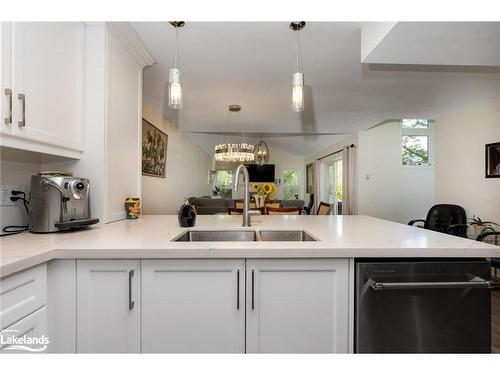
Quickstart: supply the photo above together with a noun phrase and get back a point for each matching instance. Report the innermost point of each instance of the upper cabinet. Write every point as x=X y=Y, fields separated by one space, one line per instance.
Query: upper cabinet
x=6 y=77
x=42 y=79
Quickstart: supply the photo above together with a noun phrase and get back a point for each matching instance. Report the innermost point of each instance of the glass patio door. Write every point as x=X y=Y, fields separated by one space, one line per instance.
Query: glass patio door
x=331 y=182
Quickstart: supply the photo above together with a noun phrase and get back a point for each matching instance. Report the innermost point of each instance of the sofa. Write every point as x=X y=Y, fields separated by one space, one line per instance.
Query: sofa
x=211 y=206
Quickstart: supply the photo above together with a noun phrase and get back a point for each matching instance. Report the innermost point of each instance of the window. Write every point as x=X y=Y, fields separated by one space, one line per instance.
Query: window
x=290 y=184
x=224 y=181
x=416 y=141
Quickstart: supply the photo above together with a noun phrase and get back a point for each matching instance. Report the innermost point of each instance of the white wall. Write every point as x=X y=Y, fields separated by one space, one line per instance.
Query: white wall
x=460 y=179
x=385 y=188
x=186 y=173
x=16 y=168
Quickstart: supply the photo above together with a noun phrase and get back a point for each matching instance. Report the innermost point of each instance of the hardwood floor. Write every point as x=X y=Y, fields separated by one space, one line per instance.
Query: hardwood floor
x=495 y=320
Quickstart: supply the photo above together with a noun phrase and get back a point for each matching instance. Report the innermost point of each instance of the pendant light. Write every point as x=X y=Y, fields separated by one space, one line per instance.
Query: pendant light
x=234 y=152
x=261 y=152
x=175 y=97
x=298 y=77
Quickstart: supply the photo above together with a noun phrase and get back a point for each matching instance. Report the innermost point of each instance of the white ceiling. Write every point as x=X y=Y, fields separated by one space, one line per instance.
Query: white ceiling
x=251 y=63
x=437 y=43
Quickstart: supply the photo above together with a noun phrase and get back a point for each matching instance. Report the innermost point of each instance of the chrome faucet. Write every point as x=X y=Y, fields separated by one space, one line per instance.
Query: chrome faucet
x=246 y=212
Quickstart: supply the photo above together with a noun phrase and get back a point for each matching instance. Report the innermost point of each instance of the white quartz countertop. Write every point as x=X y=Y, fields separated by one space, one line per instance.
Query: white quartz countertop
x=150 y=237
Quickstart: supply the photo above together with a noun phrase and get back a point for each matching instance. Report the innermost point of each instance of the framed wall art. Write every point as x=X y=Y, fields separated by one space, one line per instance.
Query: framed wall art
x=154 y=150
x=492 y=160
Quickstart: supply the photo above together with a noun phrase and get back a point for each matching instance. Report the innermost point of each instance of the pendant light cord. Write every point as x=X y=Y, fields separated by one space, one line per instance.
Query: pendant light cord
x=227 y=129
x=298 y=51
x=176 y=51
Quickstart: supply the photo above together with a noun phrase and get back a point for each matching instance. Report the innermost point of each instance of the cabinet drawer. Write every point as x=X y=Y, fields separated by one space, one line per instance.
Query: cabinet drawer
x=33 y=326
x=22 y=294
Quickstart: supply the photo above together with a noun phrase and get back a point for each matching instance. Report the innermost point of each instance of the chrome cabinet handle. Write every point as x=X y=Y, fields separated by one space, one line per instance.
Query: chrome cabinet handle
x=8 y=120
x=130 y=302
x=22 y=98
x=237 y=289
x=253 y=290
x=476 y=282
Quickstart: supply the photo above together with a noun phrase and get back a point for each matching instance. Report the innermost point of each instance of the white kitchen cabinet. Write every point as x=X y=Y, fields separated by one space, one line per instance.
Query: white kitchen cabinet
x=61 y=299
x=33 y=326
x=6 y=77
x=108 y=306
x=46 y=72
x=193 y=306
x=114 y=59
x=297 y=306
x=22 y=294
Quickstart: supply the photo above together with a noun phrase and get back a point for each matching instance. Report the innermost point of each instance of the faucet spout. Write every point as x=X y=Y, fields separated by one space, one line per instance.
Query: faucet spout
x=241 y=169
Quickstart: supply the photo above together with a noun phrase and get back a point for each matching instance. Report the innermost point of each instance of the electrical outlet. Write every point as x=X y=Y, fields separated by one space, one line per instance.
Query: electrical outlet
x=6 y=193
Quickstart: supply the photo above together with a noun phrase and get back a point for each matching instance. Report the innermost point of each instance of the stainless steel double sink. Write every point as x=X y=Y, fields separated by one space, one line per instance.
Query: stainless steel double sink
x=244 y=236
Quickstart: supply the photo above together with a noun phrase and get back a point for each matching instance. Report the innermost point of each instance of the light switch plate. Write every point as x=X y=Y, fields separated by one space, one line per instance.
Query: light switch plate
x=5 y=194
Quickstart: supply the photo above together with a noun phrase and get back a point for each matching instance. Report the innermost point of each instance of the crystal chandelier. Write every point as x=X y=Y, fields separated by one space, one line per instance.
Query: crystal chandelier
x=261 y=153
x=297 y=77
x=234 y=152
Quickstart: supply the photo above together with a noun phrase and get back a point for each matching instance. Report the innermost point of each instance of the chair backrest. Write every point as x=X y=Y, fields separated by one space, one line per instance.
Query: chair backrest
x=311 y=203
x=235 y=211
x=283 y=211
x=239 y=204
x=324 y=209
x=441 y=216
x=272 y=205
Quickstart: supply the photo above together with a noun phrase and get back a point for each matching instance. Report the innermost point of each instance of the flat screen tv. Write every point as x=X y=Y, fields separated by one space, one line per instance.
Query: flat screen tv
x=261 y=173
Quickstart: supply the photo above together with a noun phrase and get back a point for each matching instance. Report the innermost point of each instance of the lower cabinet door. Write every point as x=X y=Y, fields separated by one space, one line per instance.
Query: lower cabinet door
x=193 y=306
x=297 y=306
x=31 y=330
x=108 y=306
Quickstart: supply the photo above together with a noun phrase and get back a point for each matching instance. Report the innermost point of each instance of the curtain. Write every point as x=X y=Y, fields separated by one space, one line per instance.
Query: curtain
x=348 y=179
x=316 y=186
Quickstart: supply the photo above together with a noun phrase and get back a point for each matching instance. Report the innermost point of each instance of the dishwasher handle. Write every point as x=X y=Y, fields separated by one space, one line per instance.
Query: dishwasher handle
x=476 y=283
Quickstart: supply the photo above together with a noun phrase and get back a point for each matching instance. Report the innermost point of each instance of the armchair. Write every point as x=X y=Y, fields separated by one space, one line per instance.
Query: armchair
x=445 y=218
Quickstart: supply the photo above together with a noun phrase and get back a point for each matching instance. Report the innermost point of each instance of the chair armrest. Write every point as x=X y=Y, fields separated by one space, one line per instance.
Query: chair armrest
x=412 y=222
x=483 y=235
x=453 y=229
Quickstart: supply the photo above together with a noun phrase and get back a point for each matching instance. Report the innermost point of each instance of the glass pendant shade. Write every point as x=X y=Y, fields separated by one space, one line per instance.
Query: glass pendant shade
x=175 y=97
x=298 y=92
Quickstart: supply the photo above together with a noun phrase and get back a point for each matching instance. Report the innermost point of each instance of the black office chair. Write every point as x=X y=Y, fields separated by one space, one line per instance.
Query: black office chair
x=445 y=218
x=495 y=262
x=309 y=207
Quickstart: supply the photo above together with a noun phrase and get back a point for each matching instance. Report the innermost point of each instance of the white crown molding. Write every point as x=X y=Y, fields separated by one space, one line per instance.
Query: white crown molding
x=124 y=32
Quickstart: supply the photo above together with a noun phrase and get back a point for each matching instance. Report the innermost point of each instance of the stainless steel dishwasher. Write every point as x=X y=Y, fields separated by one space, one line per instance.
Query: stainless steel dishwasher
x=423 y=306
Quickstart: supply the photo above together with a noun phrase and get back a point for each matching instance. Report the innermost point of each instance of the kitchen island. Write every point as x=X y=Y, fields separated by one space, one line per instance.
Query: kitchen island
x=129 y=287
x=151 y=237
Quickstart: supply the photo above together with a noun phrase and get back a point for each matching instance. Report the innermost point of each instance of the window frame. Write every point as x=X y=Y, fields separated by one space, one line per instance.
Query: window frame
x=284 y=185
x=428 y=132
